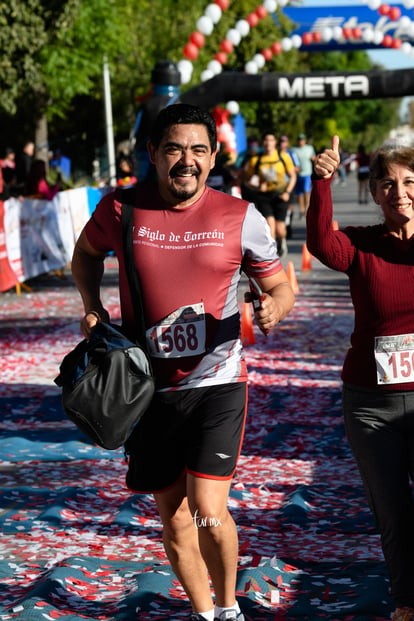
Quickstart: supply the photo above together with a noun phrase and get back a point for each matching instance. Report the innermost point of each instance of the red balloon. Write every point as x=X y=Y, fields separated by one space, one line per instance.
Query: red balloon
x=223 y=4
x=396 y=44
x=226 y=46
x=316 y=36
x=190 y=51
x=394 y=13
x=252 y=19
x=276 y=47
x=384 y=9
x=198 y=39
x=307 y=38
x=261 y=12
x=356 y=33
x=267 y=53
x=347 y=32
x=221 y=57
x=387 y=41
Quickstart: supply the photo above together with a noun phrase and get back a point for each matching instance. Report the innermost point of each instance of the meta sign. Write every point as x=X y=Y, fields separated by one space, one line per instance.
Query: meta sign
x=301 y=86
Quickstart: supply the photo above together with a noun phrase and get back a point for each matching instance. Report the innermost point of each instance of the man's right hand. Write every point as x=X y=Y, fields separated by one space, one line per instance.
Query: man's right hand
x=91 y=318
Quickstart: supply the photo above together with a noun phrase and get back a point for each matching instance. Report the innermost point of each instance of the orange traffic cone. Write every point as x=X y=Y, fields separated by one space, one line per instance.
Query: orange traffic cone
x=291 y=274
x=335 y=225
x=247 y=331
x=306 y=258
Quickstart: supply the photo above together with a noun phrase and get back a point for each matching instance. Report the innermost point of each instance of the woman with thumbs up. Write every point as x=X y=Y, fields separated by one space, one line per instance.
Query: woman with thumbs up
x=378 y=371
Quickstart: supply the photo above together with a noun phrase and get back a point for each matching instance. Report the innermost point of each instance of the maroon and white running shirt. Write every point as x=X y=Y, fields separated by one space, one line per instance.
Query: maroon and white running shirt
x=189 y=263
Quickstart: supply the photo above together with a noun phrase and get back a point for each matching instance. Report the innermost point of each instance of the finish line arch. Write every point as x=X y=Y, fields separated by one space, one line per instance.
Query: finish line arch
x=301 y=87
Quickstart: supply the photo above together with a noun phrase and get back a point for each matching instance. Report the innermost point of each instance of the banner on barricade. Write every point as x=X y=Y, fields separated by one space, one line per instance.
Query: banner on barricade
x=38 y=236
x=7 y=276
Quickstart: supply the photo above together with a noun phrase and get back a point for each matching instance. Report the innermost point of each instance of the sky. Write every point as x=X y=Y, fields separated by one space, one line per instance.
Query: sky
x=389 y=59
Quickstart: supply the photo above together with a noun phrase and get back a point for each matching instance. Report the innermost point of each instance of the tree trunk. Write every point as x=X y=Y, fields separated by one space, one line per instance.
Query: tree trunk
x=41 y=138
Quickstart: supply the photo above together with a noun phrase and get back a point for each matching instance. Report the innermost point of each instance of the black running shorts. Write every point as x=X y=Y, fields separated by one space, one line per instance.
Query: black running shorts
x=199 y=431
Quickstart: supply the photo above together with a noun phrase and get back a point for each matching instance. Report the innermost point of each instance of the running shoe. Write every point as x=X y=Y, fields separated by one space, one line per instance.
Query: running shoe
x=230 y=615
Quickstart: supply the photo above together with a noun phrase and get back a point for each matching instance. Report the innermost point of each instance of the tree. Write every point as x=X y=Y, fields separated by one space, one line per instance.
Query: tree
x=51 y=69
x=52 y=52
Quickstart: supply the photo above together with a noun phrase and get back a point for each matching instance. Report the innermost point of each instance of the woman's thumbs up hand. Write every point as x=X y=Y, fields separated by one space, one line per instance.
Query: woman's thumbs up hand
x=328 y=161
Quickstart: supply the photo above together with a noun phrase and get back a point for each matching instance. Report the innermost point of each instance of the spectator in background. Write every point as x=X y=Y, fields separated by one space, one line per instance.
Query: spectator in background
x=284 y=147
x=362 y=159
x=306 y=155
x=221 y=176
x=8 y=165
x=37 y=185
x=125 y=174
x=24 y=163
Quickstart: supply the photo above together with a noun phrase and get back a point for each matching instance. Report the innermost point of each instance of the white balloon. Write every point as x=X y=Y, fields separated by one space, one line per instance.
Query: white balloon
x=213 y=11
x=205 y=25
x=286 y=44
x=206 y=75
x=243 y=27
x=296 y=41
x=233 y=36
x=215 y=67
x=409 y=4
x=185 y=67
x=185 y=76
x=270 y=5
x=374 y=4
x=378 y=37
x=233 y=107
x=406 y=47
x=368 y=35
x=327 y=34
x=337 y=33
x=260 y=60
x=405 y=22
x=251 y=67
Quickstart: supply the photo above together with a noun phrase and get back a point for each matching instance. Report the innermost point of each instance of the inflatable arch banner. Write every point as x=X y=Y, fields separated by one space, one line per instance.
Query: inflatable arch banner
x=371 y=25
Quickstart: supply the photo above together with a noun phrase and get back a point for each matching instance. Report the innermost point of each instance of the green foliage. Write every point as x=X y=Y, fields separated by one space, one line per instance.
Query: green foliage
x=51 y=64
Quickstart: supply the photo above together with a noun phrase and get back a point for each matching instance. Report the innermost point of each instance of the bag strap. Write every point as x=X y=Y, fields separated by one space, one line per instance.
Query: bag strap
x=127 y=198
x=257 y=165
x=283 y=161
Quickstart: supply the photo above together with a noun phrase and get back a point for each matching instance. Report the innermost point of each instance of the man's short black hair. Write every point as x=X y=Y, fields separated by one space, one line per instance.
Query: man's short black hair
x=183 y=114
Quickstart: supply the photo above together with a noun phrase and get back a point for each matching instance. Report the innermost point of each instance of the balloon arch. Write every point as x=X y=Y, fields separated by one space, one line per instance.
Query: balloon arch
x=367 y=24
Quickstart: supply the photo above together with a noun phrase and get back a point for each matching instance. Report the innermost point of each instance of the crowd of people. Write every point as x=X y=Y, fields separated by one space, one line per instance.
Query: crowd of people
x=25 y=175
x=276 y=175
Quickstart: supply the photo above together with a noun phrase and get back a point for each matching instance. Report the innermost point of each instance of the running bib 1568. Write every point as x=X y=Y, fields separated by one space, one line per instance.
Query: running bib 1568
x=394 y=357
x=182 y=333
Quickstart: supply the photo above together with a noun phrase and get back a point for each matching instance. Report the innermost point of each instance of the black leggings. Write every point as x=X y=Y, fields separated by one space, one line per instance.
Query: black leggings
x=380 y=429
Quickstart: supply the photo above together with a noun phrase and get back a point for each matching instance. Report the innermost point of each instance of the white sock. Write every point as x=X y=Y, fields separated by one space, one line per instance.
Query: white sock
x=218 y=610
x=209 y=615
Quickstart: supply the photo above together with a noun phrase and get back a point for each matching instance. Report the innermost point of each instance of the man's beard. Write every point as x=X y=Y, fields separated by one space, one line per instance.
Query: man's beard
x=182 y=195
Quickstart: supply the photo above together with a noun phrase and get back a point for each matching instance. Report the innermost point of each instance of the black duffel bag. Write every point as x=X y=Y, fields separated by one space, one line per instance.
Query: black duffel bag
x=107 y=385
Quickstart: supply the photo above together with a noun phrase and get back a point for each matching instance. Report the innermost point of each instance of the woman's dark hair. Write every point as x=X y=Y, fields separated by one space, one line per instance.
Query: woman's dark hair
x=384 y=158
x=183 y=114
